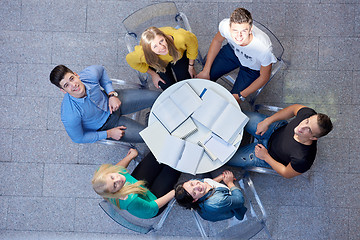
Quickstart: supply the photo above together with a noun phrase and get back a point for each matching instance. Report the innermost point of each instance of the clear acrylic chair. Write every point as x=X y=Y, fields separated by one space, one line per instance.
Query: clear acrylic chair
x=278 y=51
x=253 y=222
x=125 y=219
x=164 y=14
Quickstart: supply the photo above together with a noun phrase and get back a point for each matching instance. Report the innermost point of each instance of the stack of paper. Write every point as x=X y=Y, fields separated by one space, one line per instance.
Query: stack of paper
x=220 y=116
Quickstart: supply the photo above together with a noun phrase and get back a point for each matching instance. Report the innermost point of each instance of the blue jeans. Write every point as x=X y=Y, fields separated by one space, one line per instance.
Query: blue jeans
x=132 y=100
x=245 y=156
x=225 y=62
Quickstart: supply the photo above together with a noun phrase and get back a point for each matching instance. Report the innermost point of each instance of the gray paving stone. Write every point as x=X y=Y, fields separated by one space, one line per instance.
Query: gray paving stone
x=325 y=87
x=53 y=15
x=23 y=112
x=46 y=146
x=301 y=52
x=354 y=166
x=68 y=180
x=312 y=223
x=54 y=114
x=21 y=179
x=333 y=153
x=8 y=78
x=6 y=142
x=96 y=153
x=339 y=53
x=299 y=17
x=354 y=224
x=10 y=13
x=111 y=18
x=25 y=47
x=3 y=212
x=356 y=88
x=33 y=80
x=41 y=214
x=78 y=48
x=345 y=126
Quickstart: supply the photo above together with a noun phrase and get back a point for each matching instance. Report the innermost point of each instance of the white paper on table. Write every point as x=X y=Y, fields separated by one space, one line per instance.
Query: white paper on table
x=220 y=148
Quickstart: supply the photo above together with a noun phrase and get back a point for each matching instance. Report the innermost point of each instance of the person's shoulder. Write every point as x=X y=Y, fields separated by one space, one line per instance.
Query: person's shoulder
x=306 y=111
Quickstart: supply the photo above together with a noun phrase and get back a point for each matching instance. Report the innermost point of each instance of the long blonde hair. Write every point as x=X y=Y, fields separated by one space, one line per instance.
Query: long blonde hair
x=152 y=58
x=99 y=183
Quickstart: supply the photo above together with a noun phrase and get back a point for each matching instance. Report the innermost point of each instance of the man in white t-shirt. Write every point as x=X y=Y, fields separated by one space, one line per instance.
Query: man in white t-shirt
x=248 y=48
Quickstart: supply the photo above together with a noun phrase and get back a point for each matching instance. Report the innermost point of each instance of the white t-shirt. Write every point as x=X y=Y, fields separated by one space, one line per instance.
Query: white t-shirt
x=214 y=184
x=254 y=55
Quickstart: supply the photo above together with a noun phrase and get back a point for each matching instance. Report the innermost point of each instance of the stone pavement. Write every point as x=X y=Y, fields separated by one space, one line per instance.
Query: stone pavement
x=45 y=190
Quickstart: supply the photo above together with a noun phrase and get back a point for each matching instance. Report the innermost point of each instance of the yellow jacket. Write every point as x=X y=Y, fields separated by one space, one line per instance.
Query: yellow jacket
x=183 y=40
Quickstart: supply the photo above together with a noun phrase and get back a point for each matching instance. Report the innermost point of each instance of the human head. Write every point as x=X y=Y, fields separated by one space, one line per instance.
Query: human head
x=313 y=127
x=151 y=37
x=68 y=81
x=188 y=193
x=241 y=26
x=100 y=183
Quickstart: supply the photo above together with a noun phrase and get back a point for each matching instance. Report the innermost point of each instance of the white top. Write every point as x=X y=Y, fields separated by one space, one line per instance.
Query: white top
x=254 y=55
x=214 y=184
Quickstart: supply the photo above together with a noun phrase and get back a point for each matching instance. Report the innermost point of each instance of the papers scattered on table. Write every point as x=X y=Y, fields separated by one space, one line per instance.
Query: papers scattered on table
x=155 y=137
x=176 y=108
x=185 y=129
x=220 y=116
x=218 y=147
x=181 y=155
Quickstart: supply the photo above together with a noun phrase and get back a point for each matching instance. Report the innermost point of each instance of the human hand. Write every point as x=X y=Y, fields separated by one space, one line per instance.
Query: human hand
x=114 y=104
x=156 y=79
x=261 y=151
x=262 y=127
x=192 y=71
x=203 y=75
x=228 y=177
x=116 y=132
x=132 y=153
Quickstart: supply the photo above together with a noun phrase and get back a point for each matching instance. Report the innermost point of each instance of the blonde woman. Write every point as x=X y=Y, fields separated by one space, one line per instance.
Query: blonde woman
x=163 y=50
x=145 y=198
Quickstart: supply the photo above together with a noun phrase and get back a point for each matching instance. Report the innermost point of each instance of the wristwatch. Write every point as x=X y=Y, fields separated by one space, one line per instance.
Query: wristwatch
x=241 y=98
x=113 y=94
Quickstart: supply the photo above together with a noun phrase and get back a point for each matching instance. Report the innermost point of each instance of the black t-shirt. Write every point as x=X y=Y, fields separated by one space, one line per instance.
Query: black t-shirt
x=285 y=149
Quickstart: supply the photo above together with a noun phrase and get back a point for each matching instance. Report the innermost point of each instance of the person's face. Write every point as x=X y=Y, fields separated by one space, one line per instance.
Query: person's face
x=241 y=33
x=159 y=45
x=195 y=188
x=114 y=182
x=308 y=128
x=71 y=84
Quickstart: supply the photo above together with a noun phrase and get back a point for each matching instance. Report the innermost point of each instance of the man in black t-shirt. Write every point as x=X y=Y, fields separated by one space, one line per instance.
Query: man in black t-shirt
x=289 y=148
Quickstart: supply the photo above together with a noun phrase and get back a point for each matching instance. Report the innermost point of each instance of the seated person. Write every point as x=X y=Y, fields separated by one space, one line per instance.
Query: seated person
x=90 y=114
x=247 y=47
x=288 y=148
x=163 y=50
x=213 y=200
x=144 y=193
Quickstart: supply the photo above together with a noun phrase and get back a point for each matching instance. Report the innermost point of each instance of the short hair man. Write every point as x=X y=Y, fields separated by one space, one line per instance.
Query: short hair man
x=288 y=148
x=90 y=114
x=248 y=48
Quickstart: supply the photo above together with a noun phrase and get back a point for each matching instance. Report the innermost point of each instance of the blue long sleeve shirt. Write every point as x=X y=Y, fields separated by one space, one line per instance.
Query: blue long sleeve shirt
x=83 y=116
x=221 y=203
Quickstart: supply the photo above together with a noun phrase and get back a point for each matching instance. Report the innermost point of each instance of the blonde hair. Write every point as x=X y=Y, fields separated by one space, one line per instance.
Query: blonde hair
x=99 y=183
x=152 y=59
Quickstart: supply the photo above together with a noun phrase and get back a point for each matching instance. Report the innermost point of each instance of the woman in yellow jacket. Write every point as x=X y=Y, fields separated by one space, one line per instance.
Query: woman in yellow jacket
x=163 y=50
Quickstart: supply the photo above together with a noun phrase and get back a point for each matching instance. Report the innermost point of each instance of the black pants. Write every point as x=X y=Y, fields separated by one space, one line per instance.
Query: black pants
x=160 y=178
x=181 y=70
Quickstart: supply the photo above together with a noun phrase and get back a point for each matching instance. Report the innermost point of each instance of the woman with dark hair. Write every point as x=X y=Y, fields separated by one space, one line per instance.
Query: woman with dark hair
x=213 y=200
x=144 y=193
x=163 y=50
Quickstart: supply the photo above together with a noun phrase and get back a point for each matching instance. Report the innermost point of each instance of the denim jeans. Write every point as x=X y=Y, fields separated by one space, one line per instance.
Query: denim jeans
x=245 y=156
x=132 y=100
x=225 y=62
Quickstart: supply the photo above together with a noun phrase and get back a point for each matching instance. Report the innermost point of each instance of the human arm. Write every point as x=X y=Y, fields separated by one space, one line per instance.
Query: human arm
x=265 y=72
x=285 y=171
x=162 y=201
x=214 y=49
x=219 y=178
x=116 y=132
x=155 y=77
x=229 y=178
x=114 y=102
x=191 y=68
x=283 y=114
x=131 y=155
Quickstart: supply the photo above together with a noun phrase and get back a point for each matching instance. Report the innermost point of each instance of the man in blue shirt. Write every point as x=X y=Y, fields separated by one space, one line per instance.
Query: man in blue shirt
x=90 y=114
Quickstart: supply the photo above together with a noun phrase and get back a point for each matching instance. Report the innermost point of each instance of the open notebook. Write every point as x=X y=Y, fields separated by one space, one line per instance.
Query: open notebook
x=220 y=116
x=174 y=110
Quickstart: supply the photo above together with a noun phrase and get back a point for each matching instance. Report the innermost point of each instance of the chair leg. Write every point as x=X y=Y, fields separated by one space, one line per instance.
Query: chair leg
x=199 y=225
